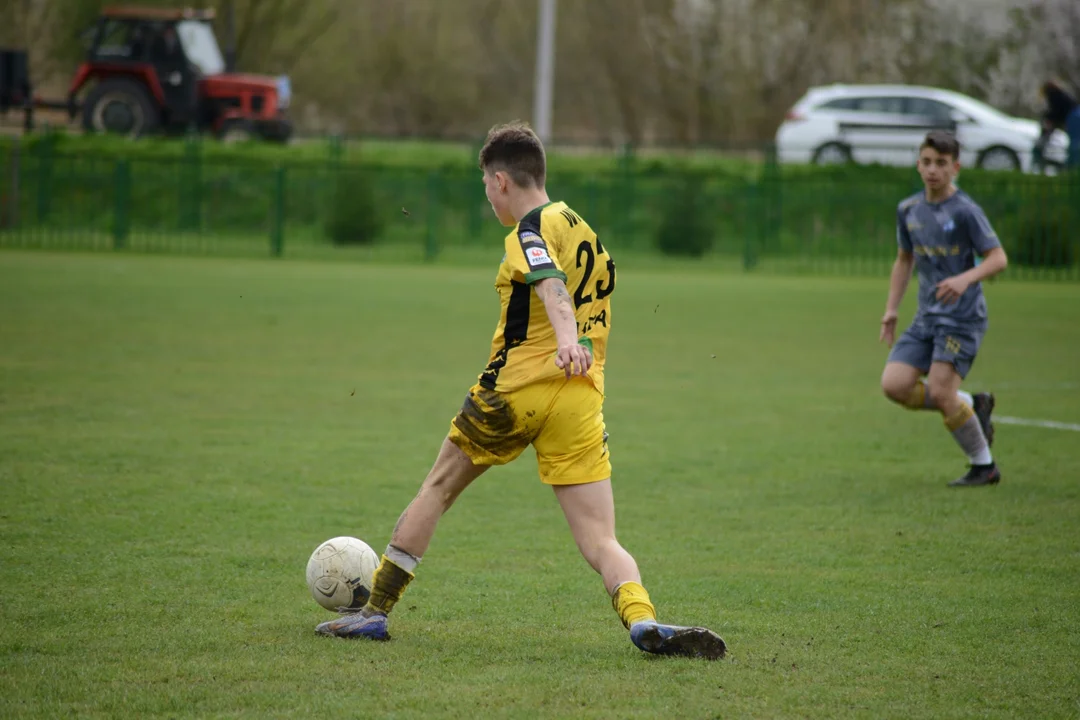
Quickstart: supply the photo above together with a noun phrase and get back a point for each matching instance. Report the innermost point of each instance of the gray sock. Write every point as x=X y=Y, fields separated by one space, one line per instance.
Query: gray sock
x=971 y=440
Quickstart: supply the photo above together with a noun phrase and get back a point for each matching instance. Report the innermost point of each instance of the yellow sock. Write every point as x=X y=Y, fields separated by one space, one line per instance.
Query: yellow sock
x=387 y=586
x=631 y=601
x=958 y=418
x=917 y=399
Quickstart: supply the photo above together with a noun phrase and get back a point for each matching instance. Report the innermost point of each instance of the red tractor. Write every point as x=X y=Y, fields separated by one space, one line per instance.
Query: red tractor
x=151 y=70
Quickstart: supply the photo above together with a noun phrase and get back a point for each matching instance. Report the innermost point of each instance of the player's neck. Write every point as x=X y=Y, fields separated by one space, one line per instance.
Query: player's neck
x=528 y=201
x=941 y=195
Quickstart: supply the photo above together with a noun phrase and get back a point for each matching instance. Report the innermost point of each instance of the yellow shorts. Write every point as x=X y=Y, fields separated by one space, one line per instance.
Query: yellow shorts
x=562 y=419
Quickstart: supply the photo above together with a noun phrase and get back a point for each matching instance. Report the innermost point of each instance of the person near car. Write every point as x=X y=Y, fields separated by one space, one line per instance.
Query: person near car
x=1062 y=113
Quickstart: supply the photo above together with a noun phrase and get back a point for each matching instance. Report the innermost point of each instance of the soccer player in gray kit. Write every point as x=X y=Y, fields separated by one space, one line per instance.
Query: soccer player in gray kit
x=939 y=232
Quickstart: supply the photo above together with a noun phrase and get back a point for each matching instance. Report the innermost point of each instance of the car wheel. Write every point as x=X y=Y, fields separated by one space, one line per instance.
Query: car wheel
x=832 y=154
x=999 y=158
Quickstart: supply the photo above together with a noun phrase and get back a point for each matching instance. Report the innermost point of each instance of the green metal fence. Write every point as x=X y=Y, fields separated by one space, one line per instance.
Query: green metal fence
x=830 y=221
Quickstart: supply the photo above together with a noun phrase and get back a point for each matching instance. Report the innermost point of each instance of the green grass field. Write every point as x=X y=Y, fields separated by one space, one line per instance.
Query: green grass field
x=177 y=435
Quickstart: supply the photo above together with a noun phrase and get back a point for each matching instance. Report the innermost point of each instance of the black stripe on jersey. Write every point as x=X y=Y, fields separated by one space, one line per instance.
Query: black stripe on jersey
x=515 y=330
x=537 y=253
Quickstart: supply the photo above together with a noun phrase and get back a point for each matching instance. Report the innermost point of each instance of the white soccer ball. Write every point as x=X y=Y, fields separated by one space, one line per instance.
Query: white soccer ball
x=339 y=573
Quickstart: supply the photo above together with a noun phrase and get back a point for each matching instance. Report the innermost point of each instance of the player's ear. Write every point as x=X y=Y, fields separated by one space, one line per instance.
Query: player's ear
x=506 y=182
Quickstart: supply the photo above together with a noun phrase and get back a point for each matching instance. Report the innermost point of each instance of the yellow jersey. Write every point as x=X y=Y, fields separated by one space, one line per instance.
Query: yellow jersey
x=551 y=241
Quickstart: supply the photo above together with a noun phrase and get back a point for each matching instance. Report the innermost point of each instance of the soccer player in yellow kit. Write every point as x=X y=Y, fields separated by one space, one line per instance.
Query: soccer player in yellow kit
x=544 y=386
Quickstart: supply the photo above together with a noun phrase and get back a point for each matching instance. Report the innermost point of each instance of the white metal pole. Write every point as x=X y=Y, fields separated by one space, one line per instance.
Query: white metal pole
x=545 y=70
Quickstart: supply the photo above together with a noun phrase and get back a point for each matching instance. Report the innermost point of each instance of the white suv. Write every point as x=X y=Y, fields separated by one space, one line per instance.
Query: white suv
x=887 y=123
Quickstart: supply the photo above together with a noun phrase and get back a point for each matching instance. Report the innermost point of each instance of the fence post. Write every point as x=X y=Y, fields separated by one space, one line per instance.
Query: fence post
x=121 y=203
x=752 y=236
x=625 y=194
x=431 y=243
x=191 y=184
x=45 y=153
x=13 y=198
x=277 y=213
x=768 y=207
x=335 y=149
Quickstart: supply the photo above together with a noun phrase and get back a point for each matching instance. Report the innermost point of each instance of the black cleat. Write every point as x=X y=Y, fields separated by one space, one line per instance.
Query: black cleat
x=983 y=405
x=979 y=475
x=695 y=642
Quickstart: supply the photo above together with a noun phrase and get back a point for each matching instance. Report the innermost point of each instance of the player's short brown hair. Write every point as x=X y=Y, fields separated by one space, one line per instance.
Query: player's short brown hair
x=942 y=141
x=516 y=150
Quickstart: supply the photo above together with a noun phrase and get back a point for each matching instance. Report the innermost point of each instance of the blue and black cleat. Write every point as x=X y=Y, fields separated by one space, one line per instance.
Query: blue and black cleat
x=357 y=625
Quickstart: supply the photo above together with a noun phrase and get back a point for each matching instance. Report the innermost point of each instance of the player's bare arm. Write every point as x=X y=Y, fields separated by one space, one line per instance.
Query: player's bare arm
x=950 y=290
x=572 y=357
x=898 y=282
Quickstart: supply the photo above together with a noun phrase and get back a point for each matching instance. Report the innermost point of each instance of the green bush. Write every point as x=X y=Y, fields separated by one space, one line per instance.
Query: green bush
x=353 y=218
x=686 y=226
x=1046 y=237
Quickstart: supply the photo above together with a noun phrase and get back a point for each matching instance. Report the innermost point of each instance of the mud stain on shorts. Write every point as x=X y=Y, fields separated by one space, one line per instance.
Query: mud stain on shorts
x=490 y=422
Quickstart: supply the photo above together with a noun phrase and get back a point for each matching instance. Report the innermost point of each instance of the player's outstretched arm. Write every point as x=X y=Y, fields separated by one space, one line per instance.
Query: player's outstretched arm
x=572 y=357
x=951 y=289
x=898 y=282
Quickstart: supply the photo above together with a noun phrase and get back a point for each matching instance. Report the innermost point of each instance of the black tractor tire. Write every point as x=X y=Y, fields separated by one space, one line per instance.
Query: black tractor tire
x=121 y=106
x=237 y=130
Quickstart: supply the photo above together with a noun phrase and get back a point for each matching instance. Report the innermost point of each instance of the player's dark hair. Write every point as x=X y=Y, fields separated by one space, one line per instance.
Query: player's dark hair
x=516 y=150
x=942 y=141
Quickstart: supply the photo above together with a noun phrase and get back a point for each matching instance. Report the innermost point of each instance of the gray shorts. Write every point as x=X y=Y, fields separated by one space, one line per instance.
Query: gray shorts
x=924 y=343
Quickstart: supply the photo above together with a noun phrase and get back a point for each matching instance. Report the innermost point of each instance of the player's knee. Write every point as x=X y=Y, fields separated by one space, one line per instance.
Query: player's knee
x=895 y=389
x=943 y=398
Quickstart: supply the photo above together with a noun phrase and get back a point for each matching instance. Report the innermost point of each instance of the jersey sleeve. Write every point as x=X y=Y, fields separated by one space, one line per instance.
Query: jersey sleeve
x=903 y=239
x=530 y=256
x=980 y=231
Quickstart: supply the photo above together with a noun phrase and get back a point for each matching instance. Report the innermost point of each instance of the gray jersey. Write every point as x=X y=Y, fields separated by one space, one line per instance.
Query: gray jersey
x=945 y=239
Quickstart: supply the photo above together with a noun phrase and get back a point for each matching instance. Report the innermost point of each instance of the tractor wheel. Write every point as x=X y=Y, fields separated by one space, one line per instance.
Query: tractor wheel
x=236 y=130
x=122 y=107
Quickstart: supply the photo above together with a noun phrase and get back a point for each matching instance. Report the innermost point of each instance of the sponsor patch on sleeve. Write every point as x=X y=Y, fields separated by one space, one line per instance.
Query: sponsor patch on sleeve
x=536 y=251
x=537 y=256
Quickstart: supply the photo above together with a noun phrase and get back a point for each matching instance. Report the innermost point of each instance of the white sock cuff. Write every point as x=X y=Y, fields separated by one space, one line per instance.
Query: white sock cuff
x=405 y=561
x=966 y=397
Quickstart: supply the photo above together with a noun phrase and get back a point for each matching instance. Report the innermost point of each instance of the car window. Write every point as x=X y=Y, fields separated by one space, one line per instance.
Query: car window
x=924 y=107
x=892 y=105
x=841 y=104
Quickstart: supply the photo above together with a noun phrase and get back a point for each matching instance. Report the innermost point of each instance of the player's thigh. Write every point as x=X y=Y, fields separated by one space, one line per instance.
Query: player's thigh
x=452 y=471
x=493 y=428
x=958 y=347
x=590 y=512
x=898 y=379
x=571 y=448
x=915 y=349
